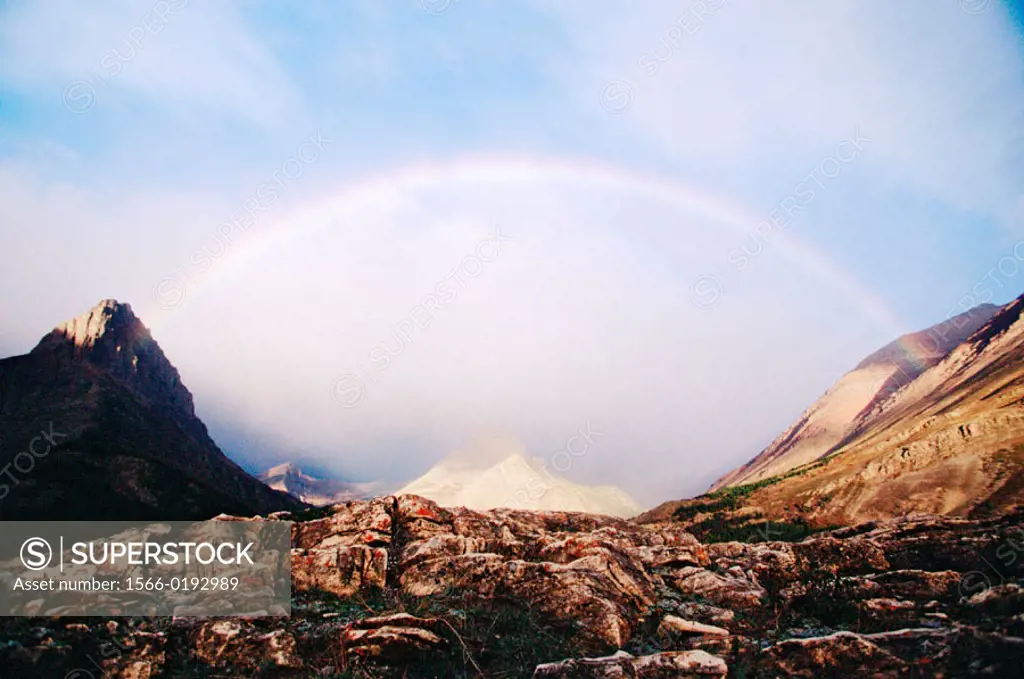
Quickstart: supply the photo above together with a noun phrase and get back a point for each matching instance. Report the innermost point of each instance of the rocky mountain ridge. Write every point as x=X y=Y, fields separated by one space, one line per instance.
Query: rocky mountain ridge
x=951 y=441
x=124 y=441
x=110 y=337
x=849 y=403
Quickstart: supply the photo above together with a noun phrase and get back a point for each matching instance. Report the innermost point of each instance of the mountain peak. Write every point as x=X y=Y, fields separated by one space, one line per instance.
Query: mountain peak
x=129 y=445
x=110 y=337
x=289 y=471
x=516 y=482
x=281 y=470
x=106 y=318
x=917 y=350
x=289 y=477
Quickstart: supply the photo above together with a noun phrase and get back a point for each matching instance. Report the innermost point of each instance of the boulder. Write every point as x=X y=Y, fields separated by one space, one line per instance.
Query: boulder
x=673 y=625
x=339 y=570
x=727 y=592
x=670 y=665
x=237 y=643
x=349 y=524
x=392 y=638
x=843 y=654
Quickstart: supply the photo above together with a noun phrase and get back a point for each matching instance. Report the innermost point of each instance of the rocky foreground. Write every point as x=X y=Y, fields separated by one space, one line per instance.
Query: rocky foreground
x=399 y=587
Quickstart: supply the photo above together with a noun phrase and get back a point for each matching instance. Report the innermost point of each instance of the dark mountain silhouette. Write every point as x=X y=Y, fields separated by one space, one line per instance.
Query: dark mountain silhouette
x=96 y=424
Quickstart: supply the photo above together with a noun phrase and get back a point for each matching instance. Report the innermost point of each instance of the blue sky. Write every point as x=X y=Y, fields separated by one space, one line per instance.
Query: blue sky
x=629 y=149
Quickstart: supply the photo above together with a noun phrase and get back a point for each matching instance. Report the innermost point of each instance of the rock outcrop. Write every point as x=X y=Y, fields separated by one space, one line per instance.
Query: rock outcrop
x=403 y=587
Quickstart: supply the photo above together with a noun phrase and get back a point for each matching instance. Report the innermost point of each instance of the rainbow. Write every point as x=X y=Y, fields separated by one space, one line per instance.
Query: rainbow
x=587 y=174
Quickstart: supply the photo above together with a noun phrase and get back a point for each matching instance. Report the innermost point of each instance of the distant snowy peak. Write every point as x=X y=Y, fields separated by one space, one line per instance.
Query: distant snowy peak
x=292 y=479
x=515 y=483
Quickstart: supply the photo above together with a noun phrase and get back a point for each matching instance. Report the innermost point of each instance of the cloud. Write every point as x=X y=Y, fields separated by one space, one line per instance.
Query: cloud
x=736 y=86
x=584 y=315
x=189 y=59
x=588 y=314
